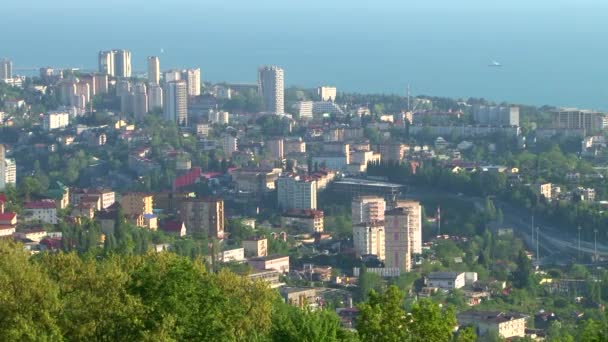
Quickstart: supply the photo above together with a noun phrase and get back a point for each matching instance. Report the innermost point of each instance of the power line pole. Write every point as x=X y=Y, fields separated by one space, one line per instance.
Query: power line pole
x=537 y=250
x=579 y=245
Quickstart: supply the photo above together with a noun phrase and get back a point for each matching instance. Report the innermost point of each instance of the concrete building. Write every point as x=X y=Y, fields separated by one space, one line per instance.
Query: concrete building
x=508 y=325
x=56 y=120
x=219 y=117
x=278 y=263
x=229 y=145
x=327 y=94
x=446 y=280
x=303 y=109
x=172 y=75
x=496 y=115
x=122 y=63
x=10 y=172
x=140 y=101
x=176 y=102
x=360 y=187
x=397 y=245
x=45 y=211
x=332 y=160
x=574 y=119
x=137 y=203
x=203 y=216
x=276 y=148
x=256 y=180
x=414 y=224
x=299 y=296
x=392 y=151
x=232 y=255
x=295 y=192
x=153 y=70
x=545 y=190
x=6 y=69
x=106 y=62
x=272 y=88
x=193 y=79
x=294 y=146
x=309 y=221
x=367 y=209
x=369 y=238
x=2 y=167
x=257 y=247
x=155 y=97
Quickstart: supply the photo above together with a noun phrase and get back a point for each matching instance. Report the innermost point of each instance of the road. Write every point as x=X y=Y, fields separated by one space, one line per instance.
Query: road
x=555 y=245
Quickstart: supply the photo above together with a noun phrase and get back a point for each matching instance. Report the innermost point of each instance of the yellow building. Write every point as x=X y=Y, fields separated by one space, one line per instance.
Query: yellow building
x=136 y=203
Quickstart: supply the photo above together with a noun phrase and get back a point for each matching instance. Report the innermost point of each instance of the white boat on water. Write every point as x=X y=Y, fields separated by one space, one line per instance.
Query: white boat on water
x=494 y=64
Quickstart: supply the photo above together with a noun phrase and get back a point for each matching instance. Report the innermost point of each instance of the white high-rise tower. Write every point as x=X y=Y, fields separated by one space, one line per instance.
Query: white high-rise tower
x=271 y=85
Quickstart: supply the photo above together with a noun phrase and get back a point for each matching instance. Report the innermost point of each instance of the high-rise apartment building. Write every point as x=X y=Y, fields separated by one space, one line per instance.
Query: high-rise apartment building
x=153 y=70
x=271 y=87
x=122 y=63
x=295 y=192
x=172 y=75
x=414 y=210
x=176 y=102
x=368 y=238
x=496 y=115
x=367 y=209
x=396 y=244
x=140 y=101
x=590 y=122
x=10 y=172
x=6 y=69
x=106 y=62
x=136 y=203
x=203 y=216
x=155 y=97
x=193 y=78
x=2 y=167
x=229 y=145
x=276 y=148
x=327 y=93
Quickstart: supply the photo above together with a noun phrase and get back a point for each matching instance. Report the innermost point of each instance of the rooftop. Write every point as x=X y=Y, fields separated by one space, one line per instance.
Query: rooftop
x=366 y=182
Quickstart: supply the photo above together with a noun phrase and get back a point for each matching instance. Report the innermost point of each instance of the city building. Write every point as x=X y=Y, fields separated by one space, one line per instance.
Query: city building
x=446 y=280
x=294 y=146
x=6 y=69
x=256 y=180
x=176 y=102
x=229 y=145
x=397 y=245
x=203 y=216
x=193 y=79
x=172 y=75
x=301 y=297
x=359 y=187
x=366 y=209
x=231 y=255
x=496 y=115
x=137 y=203
x=327 y=94
x=219 y=117
x=369 y=239
x=270 y=277
x=106 y=62
x=122 y=63
x=155 y=97
x=44 y=211
x=303 y=109
x=154 y=70
x=56 y=120
x=303 y=220
x=2 y=167
x=278 y=263
x=545 y=190
x=331 y=160
x=392 y=151
x=257 y=247
x=508 y=325
x=10 y=172
x=461 y=131
x=414 y=224
x=296 y=192
x=276 y=148
x=272 y=88
x=140 y=101
x=574 y=119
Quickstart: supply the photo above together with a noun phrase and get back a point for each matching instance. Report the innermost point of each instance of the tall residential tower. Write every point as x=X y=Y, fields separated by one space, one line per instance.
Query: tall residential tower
x=153 y=70
x=271 y=87
x=176 y=102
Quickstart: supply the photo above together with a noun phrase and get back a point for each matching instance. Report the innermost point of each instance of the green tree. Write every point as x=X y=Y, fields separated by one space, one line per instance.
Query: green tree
x=294 y=324
x=382 y=317
x=522 y=276
x=430 y=323
x=466 y=335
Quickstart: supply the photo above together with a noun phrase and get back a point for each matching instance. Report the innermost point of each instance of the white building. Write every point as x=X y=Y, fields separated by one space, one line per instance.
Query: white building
x=303 y=109
x=10 y=172
x=446 y=280
x=327 y=93
x=397 y=245
x=272 y=88
x=176 y=102
x=56 y=120
x=155 y=97
x=122 y=63
x=193 y=78
x=368 y=238
x=106 y=62
x=45 y=211
x=2 y=167
x=414 y=223
x=219 y=117
x=229 y=144
x=367 y=209
x=232 y=255
x=154 y=70
x=6 y=69
x=295 y=192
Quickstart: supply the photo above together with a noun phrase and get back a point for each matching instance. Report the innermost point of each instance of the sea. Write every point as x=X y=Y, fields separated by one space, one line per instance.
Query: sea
x=550 y=52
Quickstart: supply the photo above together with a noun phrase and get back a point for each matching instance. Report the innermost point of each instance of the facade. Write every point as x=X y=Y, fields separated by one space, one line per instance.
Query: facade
x=278 y=263
x=155 y=97
x=272 y=88
x=545 y=190
x=397 y=245
x=496 y=115
x=369 y=238
x=446 y=280
x=176 y=102
x=574 y=119
x=415 y=223
x=140 y=101
x=257 y=247
x=203 y=216
x=331 y=160
x=56 y=120
x=366 y=209
x=219 y=117
x=122 y=63
x=6 y=69
x=358 y=187
x=153 y=70
x=508 y=325
x=232 y=255
x=193 y=78
x=327 y=93
x=137 y=203
x=106 y=62
x=276 y=148
x=392 y=151
x=10 y=172
x=295 y=192
x=256 y=180
x=2 y=167
x=309 y=221
x=294 y=146
x=303 y=109
x=45 y=211
x=229 y=144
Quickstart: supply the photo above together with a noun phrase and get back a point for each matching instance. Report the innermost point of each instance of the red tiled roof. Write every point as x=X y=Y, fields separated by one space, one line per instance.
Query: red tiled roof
x=3 y=198
x=8 y=216
x=40 y=205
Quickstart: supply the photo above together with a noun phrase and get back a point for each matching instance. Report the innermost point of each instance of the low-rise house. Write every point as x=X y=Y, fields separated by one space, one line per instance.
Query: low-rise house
x=306 y=220
x=446 y=280
x=300 y=297
x=232 y=255
x=35 y=235
x=274 y=262
x=507 y=325
x=8 y=218
x=150 y=221
x=256 y=247
x=84 y=210
x=44 y=211
x=271 y=277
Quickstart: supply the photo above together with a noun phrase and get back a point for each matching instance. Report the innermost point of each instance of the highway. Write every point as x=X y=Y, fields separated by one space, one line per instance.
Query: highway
x=555 y=246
